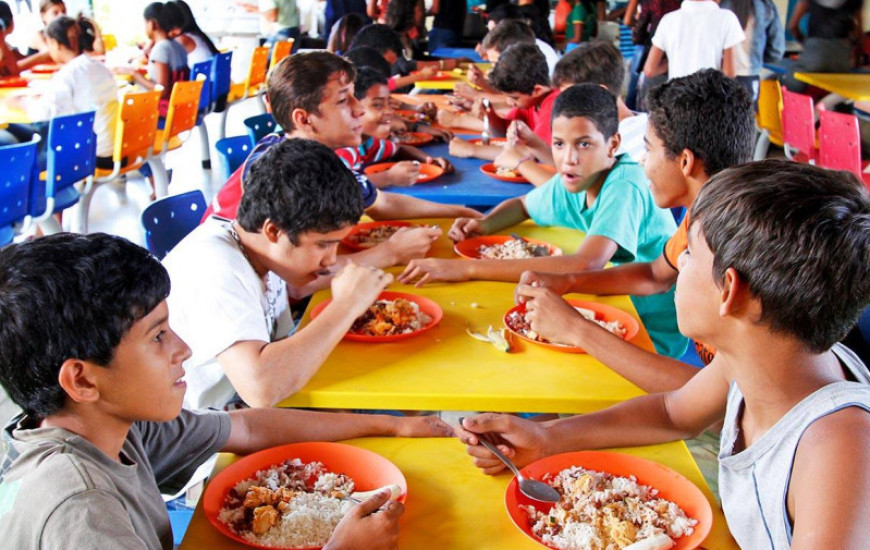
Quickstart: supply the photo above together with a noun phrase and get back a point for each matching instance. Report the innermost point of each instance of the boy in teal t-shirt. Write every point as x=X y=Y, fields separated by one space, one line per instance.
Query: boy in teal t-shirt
x=596 y=191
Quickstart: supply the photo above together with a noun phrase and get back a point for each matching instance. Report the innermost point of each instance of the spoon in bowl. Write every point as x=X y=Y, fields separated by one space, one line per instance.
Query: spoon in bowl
x=535 y=490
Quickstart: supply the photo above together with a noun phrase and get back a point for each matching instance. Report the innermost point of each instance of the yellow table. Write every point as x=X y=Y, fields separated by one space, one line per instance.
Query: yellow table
x=854 y=86
x=452 y=506
x=445 y=369
x=11 y=112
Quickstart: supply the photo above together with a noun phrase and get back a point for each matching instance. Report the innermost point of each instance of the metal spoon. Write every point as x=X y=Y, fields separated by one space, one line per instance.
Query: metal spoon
x=485 y=135
x=535 y=490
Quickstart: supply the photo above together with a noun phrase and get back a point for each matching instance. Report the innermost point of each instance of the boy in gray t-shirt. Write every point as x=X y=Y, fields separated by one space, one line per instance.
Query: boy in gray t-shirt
x=88 y=354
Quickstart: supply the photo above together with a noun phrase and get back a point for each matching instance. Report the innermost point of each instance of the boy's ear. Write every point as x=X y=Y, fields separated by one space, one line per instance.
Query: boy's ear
x=267 y=102
x=539 y=90
x=77 y=380
x=300 y=119
x=271 y=231
x=613 y=143
x=687 y=162
x=735 y=298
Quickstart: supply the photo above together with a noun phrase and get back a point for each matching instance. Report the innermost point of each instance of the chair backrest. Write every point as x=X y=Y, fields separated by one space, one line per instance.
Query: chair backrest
x=168 y=220
x=840 y=142
x=202 y=71
x=71 y=151
x=260 y=126
x=221 y=80
x=137 y=126
x=280 y=50
x=19 y=162
x=233 y=151
x=768 y=116
x=257 y=70
x=183 y=109
x=798 y=124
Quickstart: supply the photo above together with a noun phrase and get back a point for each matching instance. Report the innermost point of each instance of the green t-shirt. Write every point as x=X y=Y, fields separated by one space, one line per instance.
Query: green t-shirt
x=288 y=14
x=625 y=213
x=579 y=14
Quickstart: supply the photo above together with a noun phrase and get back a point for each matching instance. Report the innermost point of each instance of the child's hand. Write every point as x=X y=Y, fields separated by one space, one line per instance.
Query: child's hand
x=520 y=440
x=519 y=133
x=559 y=283
x=550 y=315
x=461 y=101
x=429 y=270
x=442 y=162
x=476 y=77
x=427 y=73
x=124 y=70
x=446 y=118
x=422 y=426
x=465 y=228
x=409 y=243
x=372 y=524
x=404 y=174
x=460 y=148
x=437 y=133
x=428 y=110
x=509 y=157
x=356 y=287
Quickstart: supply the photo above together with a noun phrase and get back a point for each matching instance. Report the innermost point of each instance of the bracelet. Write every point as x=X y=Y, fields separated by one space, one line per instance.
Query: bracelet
x=522 y=160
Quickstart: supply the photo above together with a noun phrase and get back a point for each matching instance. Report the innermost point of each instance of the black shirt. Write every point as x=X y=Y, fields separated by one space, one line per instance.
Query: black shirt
x=832 y=23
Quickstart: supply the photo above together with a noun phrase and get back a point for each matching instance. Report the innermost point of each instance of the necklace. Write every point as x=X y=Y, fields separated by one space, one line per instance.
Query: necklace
x=271 y=294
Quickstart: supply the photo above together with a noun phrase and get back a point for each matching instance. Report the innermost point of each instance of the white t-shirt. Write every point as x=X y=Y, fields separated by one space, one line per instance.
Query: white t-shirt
x=631 y=132
x=695 y=35
x=217 y=299
x=549 y=53
x=82 y=85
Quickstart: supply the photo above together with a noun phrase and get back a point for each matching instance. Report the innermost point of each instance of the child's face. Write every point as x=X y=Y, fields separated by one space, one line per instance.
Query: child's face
x=143 y=380
x=53 y=12
x=337 y=123
x=581 y=151
x=377 y=114
x=666 y=180
x=520 y=101
x=697 y=295
x=492 y=55
x=299 y=264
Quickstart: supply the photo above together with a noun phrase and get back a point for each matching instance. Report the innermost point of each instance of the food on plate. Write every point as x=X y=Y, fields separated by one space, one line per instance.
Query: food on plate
x=512 y=249
x=290 y=505
x=508 y=173
x=518 y=323
x=390 y=317
x=601 y=511
x=406 y=138
x=370 y=236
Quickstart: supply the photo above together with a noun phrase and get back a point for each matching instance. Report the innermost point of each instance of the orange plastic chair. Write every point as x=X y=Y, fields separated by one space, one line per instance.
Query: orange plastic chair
x=281 y=50
x=798 y=127
x=768 y=118
x=180 y=117
x=840 y=144
x=253 y=85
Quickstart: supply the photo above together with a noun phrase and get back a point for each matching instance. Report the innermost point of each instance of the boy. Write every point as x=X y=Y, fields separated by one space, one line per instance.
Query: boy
x=698 y=125
x=596 y=191
x=699 y=35
x=759 y=283
x=311 y=96
x=103 y=427
x=231 y=280
x=370 y=89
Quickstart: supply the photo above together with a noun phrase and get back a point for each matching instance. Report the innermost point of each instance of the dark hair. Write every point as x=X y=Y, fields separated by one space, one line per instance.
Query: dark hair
x=506 y=34
x=5 y=16
x=707 y=113
x=45 y=4
x=742 y=9
x=69 y=296
x=297 y=82
x=343 y=31
x=538 y=22
x=590 y=101
x=364 y=56
x=366 y=77
x=87 y=33
x=66 y=31
x=188 y=24
x=799 y=236
x=519 y=69
x=400 y=15
x=594 y=62
x=504 y=11
x=166 y=16
x=380 y=37
x=300 y=185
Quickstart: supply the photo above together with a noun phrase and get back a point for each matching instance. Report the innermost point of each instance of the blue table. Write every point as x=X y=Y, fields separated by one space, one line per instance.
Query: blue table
x=783 y=66
x=467 y=185
x=456 y=53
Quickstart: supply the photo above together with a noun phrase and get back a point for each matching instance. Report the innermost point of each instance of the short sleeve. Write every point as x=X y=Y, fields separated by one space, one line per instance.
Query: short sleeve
x=678 y=242
x=733 y=31
x=619 y=210
x=659 y=39
x=380 y=150
x=369 y=191
x=88 y=521
x=266 y=5
x=348 y=156
x=161 y=53
x=542 y=203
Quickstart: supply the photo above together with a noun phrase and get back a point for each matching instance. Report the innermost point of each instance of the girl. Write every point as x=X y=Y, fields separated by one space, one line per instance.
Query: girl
x=198 y=45
x=765 y=39
x=49 y=10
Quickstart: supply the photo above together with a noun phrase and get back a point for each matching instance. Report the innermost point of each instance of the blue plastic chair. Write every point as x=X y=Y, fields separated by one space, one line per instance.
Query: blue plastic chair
x=260 y=126
x=72 y=158
x=19 y=171
x=221 y=80
x=203 y=70
x=168 y=220
x=233 y=151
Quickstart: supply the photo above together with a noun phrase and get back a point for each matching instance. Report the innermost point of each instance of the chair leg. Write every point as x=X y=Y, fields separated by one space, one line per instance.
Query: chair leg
x=223 y=125
x=77 y=217
x=161 y=177
x=50 y=226
x=204 y=146
x=262 y=103
x=762 y=145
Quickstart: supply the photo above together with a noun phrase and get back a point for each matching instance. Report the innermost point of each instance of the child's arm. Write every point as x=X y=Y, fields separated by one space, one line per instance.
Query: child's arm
x=521 y=159
x=655 y=63
x=646 y=420
x=409 y=152
x=794 y=23
x=426 y=73
x=728 y=63
x=401 y=174
x=8 y=63
x=458 y=147
x=392 y=206
x=263 y=373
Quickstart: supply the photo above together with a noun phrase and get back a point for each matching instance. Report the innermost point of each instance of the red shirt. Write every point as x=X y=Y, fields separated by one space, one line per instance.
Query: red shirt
x=538 y=117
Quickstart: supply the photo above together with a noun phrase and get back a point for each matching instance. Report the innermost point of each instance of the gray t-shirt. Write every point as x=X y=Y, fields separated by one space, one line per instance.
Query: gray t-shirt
x=60 y=491
x=170 y=52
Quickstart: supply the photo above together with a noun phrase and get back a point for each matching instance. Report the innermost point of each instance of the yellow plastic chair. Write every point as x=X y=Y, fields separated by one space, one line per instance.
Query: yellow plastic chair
x=180 y=118
x=251 y=87
x=281 y=50
x=768 y=118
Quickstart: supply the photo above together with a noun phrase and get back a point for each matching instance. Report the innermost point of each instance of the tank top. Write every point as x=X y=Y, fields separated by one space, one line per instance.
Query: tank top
x=200 y=53
x=754 y=482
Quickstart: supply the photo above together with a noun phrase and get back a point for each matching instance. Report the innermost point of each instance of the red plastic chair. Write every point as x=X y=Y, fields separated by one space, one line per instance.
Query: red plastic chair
x=798 y=127
x=840 y=144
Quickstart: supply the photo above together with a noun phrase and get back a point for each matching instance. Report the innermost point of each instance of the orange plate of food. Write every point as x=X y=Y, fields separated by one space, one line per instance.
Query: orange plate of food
x=492 y=141
x=670 y=485
x=470 y=248
x=413 y=138
x=425 y=306
x=45 y=68
x=368 y=234
x=514 y=177
x=515 y=316
x=13 y=82
x=368 y=470
x=408 y=114
x=428 y=172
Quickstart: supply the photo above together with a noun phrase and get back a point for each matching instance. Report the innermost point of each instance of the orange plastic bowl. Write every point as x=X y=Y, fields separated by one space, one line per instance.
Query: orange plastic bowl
x=352 y=239
x=368 y=470
x=470 y=248
x=45 y=68
x=414 y=139
x=427 y=306
x=602 y=312
x=671 y=486
x=13 y=82
x=490 y=170
x=492 y=141
x=428 y=172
